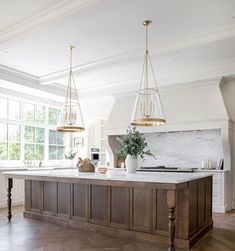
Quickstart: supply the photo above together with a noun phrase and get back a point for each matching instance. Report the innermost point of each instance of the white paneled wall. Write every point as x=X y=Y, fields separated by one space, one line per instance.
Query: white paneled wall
x=17 y=192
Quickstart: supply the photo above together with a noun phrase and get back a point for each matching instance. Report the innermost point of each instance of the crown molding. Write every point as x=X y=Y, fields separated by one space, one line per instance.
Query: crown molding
x=210 y=74
x=207 y=75
x=17 y=77
x=137 y=56
x=199 y=83
x=4 y=70
x=17 y=94
x=56 y=11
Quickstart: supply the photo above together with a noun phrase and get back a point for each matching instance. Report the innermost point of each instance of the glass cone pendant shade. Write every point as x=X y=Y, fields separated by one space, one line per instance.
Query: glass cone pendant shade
x=148 y=109
x=70 y=118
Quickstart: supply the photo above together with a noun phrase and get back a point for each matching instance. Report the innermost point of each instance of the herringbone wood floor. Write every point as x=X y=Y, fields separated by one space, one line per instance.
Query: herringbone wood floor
x=25 y=234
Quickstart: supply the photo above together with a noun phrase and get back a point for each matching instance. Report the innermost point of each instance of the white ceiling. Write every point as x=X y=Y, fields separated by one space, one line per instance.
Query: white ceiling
x=13 y=11
x=188 y=40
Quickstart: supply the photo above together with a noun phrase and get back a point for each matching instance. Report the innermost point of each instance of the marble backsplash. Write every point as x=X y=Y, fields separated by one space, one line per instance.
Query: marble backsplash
x=183 y=149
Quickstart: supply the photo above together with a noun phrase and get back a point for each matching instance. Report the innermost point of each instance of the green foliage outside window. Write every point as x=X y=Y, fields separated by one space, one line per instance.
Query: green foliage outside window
x=34 y=136
x=39 y=113
x=9 y=142
x=14 y=151
x=29 y=112
x=56 y=145
x=52 y=116
x=34 y=149
x=28 y=151
x=3 y=151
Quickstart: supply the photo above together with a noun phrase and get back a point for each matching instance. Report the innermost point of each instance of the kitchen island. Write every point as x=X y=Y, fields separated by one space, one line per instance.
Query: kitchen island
x=173 y=208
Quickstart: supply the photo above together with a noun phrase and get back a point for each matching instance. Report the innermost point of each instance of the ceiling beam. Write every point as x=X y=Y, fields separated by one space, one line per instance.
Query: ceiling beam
x=201 y=39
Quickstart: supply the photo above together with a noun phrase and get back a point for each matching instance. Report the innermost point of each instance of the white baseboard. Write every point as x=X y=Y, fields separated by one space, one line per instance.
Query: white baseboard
x=221 y=209
x=3 y=204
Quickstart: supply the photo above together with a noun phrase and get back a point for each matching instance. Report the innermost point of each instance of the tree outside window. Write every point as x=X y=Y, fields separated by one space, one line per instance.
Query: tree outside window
x=14 y=109
x=3 y=110
x=56 y=145
x=53 y=115
x=9 y=142
x=17 y=115
x=34 y=143
x=28 y=112
x=40 y=114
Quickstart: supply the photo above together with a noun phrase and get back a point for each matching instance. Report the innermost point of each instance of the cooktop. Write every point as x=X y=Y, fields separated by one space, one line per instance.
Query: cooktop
x=165 y=169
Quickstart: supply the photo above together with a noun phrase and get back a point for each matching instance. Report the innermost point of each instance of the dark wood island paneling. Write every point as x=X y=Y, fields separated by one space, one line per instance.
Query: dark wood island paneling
x=146 y=211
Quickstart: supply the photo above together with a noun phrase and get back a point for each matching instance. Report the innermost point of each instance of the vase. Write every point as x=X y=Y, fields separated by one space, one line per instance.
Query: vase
x=131 y=163
x=70 y=163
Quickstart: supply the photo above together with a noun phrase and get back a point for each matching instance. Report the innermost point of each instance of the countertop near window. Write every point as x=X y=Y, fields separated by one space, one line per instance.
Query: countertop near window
x=6 y=169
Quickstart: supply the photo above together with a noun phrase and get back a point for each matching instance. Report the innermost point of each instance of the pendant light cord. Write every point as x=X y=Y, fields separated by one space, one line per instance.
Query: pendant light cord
x=146 y=61
x=70 y=76
x=146 y=38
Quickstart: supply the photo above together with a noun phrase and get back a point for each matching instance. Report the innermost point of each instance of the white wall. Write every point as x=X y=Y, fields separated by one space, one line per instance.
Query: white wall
x=93 y=109
x=228 y=93
x=17 y=192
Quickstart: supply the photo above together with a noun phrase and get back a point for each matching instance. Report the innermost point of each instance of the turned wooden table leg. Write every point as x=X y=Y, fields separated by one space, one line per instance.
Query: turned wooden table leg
x=9 y=187
x=171 y=216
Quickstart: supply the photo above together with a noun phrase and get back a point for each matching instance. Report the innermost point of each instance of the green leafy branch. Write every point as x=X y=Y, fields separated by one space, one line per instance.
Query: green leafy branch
x=133 y=144
x=70 y=155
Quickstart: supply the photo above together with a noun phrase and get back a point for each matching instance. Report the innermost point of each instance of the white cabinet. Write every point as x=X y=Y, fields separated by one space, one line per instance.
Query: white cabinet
x=94 y=135
x=220 y=191
x=96 y=139
x=17 y=192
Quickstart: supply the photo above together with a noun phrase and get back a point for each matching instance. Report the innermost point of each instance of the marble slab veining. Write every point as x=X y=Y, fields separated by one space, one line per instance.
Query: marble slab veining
x=183 y=149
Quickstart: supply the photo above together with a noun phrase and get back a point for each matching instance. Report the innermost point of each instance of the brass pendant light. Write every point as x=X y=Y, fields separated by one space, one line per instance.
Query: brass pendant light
x=70 y=118
x=148 y=109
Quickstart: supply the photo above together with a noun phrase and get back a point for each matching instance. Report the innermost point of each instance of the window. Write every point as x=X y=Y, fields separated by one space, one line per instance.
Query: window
x=14 y=109
x=28 y=131
x=28 y=112
x=3 y=110
x=56 y=145
x=9 y=142
x=40 y=114
x=53 y=115
x=3 y=141
x=34 y=143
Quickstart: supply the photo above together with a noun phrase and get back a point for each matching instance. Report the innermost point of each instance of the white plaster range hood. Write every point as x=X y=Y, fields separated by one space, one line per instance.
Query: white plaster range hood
x=190 y=106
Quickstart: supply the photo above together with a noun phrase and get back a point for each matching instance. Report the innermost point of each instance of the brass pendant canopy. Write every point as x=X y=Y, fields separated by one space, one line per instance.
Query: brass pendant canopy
x=70 y=118
x=148 y=109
